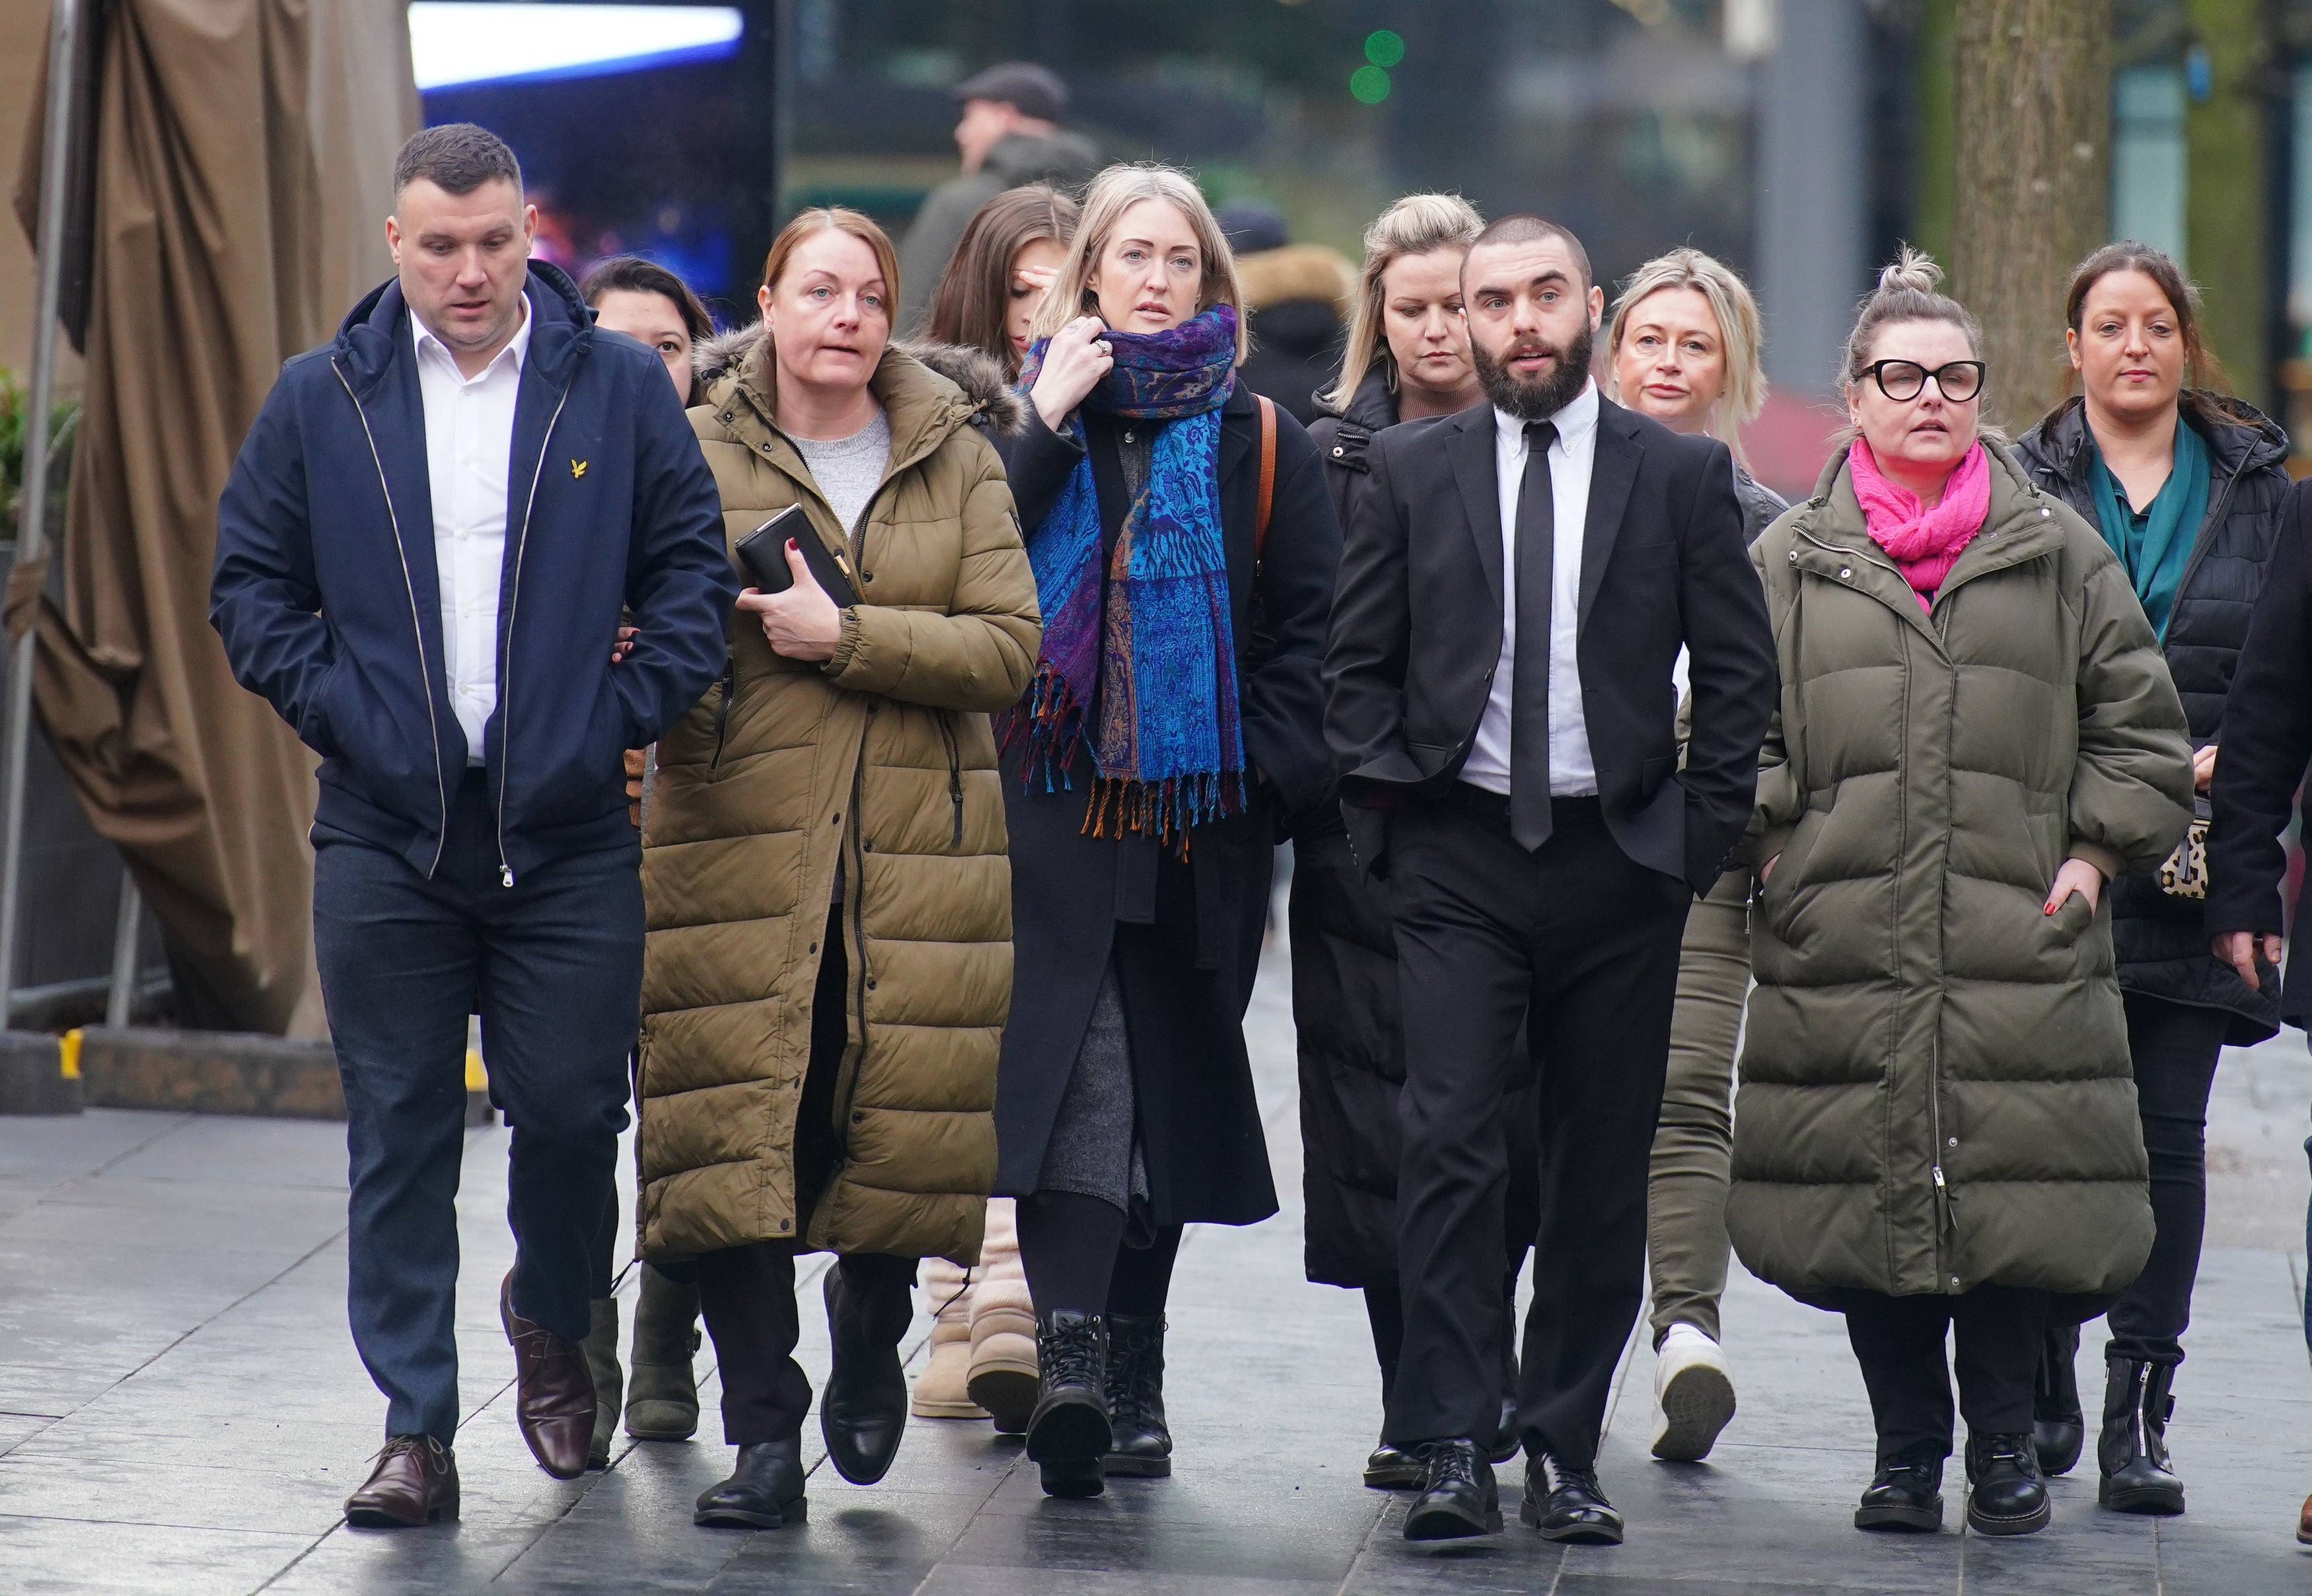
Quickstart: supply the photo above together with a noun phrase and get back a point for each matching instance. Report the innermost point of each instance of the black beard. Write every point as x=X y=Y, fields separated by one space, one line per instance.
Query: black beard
x=1540 y=398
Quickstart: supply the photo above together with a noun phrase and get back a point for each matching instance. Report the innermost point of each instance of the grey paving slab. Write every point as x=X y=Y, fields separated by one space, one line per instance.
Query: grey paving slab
x=180 y=1409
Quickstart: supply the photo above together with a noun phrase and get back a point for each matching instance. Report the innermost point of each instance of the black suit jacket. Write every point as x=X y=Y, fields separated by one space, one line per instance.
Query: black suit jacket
x=1416 y=633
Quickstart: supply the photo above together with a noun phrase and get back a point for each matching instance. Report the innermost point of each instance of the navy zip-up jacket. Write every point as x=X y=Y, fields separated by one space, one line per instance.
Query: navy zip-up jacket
x=325 y=594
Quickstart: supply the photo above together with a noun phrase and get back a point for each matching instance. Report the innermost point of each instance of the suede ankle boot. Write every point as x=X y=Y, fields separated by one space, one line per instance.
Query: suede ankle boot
x=941 y=1389
x=1002 y=1326
x=603 y=1363
x=663 y=1386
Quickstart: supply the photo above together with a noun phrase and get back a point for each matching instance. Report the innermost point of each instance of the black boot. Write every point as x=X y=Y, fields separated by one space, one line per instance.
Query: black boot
x=2007 y=1497
x=863 y=1412
x=764 y=1491
x=1507 y=1442
x=2058 y=1427
x=2134 y=1449
x=1906 y=1494
x=1141 y=1445
x=1068 y=1433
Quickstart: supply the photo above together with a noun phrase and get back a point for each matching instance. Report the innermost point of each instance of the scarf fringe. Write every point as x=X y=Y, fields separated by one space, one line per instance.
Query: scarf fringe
x=1167 y=809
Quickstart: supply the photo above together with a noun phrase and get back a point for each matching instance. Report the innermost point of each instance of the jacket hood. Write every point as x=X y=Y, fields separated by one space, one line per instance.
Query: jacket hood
x=978 y=376
x=1063 y=158
x=562 y=327
x=2240 y=437
x=1297 y=271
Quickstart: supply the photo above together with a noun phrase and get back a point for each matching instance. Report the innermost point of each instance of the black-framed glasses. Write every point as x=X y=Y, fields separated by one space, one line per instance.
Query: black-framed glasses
x=1902 y=381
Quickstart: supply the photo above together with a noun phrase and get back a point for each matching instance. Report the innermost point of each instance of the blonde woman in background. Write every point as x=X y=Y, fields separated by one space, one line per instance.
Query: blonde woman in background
x=1682 y=346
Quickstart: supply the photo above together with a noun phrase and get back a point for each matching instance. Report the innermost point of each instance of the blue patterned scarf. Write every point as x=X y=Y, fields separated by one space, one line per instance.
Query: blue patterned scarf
x=1152 y=646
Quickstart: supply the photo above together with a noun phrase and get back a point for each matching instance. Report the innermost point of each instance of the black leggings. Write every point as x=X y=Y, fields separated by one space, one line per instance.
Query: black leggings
x=2175 y=1048
x=1073 y=1248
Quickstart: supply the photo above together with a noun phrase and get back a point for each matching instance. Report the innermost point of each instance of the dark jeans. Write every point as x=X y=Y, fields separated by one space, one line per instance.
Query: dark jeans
x=746 y=1294
x=1578 y=942
x=2175 y=1048
x=1899 y=1343
x=553 y=964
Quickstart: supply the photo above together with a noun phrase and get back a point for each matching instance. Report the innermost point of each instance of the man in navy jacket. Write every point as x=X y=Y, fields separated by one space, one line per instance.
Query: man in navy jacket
x=423 y=558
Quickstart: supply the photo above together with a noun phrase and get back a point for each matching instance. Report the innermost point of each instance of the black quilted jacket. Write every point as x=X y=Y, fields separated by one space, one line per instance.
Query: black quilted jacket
x=2161 y=942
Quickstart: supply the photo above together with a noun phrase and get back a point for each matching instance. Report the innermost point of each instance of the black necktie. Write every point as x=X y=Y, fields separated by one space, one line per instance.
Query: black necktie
x=1537 y=526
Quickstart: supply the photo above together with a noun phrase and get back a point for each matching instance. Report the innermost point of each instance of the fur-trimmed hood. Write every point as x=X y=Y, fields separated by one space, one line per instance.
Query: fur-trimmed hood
x=1297 y=271
x=980 y=376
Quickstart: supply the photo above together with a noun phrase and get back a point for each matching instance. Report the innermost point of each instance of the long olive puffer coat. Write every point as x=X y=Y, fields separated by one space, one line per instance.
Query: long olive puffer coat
x=1936 y=1092
x=880 y=759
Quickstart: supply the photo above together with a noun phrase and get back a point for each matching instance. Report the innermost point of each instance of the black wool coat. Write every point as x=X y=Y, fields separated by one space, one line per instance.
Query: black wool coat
x=2267 y=742
x=1345 y=1010
x=1184 y=935
x=2161 y=941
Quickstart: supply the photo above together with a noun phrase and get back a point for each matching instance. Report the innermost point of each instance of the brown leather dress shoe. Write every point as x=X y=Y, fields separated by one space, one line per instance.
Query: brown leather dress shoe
x=414 y=1482
x=554 y=1391
x=2304 y=1523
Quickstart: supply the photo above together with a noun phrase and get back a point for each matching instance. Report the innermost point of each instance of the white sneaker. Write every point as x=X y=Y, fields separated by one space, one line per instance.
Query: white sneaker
x=1694 y=1395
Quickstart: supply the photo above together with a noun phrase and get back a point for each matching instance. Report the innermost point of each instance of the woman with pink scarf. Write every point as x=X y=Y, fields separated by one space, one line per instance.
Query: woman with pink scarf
x=1936 y=1132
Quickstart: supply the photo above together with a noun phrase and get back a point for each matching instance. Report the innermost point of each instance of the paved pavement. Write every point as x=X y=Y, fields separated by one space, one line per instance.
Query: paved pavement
x=181 y=1410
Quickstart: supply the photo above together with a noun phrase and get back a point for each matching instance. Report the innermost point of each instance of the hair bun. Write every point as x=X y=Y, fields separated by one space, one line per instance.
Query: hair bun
x=1912 y=269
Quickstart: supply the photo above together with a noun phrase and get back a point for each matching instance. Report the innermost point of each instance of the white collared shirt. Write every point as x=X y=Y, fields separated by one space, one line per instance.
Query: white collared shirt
x=468 y=458
x=1571 y=456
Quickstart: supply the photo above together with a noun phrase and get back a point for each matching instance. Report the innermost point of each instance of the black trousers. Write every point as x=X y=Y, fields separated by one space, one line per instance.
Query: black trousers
x=553 y=964
x=1579 y=943
x=746 y=1294
x=1899 y=1343
x=2175 y=1048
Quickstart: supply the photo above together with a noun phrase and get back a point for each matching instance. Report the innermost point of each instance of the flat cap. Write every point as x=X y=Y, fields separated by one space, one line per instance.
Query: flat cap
x=1035 y=90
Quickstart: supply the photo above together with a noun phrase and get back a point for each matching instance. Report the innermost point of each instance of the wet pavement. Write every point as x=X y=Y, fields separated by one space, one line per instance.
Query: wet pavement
x=181 y=1410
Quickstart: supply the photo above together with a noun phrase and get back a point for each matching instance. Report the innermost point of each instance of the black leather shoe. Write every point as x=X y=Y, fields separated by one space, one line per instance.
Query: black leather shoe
x=2058 y=1428
x=1457 y=1498
x=764 y=1492
x=2007 y=1497
x=1068 y=1434
x=1903 y=1495
x=1566 y=1504
x=862 y=1414
x=2132 y=1450
x=1507 y=1442
x=1139 y=1443
x=1393 y=1468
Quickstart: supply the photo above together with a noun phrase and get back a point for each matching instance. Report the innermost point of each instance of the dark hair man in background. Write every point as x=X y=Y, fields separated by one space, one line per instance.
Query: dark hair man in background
x=1541 y=843
x=1010 y=134
x=422 y=557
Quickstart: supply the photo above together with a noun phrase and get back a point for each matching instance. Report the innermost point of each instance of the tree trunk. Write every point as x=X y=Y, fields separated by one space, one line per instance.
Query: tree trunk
x=2032 y=189
x=2226 y=197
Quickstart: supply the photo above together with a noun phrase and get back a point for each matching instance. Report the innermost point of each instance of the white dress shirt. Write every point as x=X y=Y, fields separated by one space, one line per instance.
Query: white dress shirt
x=1571 y=456
x=468 y=456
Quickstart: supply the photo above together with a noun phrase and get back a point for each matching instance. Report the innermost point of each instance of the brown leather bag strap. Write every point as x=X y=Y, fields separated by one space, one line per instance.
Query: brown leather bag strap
x=1267 y=479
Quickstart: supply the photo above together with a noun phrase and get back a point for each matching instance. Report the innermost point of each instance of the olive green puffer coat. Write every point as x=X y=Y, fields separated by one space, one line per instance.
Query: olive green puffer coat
x=882 y=759
x=1935 y=1090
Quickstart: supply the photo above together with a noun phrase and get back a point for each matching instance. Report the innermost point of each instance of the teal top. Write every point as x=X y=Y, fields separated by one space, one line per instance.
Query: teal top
x=2155 y=543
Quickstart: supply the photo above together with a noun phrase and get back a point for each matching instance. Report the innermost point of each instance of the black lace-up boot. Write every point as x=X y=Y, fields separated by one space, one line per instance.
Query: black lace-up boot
x=1906 y=1494
x=1068 y=1433
x=2007 y=1496
x=1142 y=1443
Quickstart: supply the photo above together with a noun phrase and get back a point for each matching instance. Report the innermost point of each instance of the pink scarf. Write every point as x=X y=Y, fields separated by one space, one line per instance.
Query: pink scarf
x=1924 y=544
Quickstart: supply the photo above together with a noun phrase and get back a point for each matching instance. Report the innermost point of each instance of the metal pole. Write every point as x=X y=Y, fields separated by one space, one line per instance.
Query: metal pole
x=125 y=930
x=31 y=537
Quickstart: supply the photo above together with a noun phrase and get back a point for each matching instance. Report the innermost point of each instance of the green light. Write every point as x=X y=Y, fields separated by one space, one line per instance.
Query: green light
x=1369 y=84
x=1384 y=49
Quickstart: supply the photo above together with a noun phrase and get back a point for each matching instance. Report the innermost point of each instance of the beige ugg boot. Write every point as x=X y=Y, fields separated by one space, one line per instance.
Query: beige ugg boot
x=1002 y=1326
x=939 y=1391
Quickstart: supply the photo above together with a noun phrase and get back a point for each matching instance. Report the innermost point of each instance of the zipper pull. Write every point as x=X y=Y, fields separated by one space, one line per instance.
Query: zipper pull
x=1942 y=1199
x=506 y=878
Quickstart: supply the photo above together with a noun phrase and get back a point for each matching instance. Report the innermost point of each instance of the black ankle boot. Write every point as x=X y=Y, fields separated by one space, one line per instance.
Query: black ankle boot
x=764 y=1492
x=1068 y=1433
x=1140 y=1443
x=2007 y=1496
x=862 y=1414
x=2058 y=1427
x=1906 y=1494
x=2132 y=1451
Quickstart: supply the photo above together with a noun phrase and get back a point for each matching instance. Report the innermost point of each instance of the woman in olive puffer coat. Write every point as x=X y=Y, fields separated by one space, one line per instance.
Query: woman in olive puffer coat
x=1936 y=1128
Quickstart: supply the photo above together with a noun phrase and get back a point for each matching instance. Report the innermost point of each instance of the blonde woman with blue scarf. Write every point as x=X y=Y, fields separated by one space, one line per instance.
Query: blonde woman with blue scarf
x=1174 y=723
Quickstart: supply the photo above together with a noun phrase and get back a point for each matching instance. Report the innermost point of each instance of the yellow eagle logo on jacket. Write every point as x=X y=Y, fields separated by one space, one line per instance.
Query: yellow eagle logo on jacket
x=577 y=470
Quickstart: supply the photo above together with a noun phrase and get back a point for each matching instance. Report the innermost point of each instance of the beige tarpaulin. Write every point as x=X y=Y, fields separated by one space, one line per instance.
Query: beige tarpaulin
x=242 y=169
